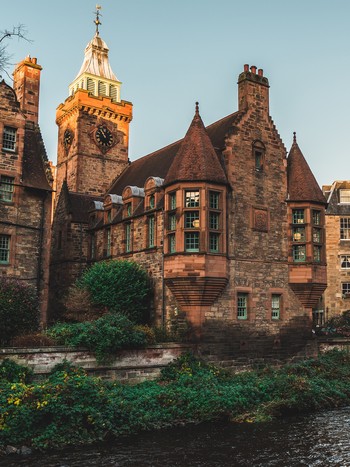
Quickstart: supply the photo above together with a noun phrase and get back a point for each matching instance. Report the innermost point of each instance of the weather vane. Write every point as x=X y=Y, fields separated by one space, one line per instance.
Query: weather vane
x=97 y=20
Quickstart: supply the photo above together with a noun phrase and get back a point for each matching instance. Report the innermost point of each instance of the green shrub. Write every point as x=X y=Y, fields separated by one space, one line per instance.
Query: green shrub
x=103 y=336
x=11 y=372
x=120 y=286
x=19 y=309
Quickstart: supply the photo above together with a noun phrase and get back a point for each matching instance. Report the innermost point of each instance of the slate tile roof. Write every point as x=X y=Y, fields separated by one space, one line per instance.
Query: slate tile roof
x=302 y=185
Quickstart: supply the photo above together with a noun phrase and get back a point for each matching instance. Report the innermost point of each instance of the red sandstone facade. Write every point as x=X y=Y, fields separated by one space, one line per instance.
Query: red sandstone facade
x=230 y=229
x=25 y=183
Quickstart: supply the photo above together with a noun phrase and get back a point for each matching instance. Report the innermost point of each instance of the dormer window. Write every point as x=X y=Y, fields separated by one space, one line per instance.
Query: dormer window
x=128 y=209
x=152 y=201
x=344 y=196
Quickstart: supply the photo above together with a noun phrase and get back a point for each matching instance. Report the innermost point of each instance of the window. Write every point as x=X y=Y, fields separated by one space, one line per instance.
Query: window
x=258 y=154
x=191 y=219
x=9 y=139
x=91 y=85
x=316 y=217
x=113 y=92
x=128 y=209
x=317 y=253
x=345 y=289
x=214 y=220
x=6 y=188
x=152 y=202
x=128 y=238
x=299 y=253
x=4 y=249
x=151 y=229
x=172 y=222
x=214 y=198
x=192 y=199
x=172 y=200
x=242 y=305
x=192 y=242
x=299 y=234
x=345 y=228
x=109 y=216
x=101 y=88
x=344 y=196
x=275 y=306
x=214 y=239
x=316 y=235
x=345 y=261
x=298 y=216
x=172 y=243
x=108 y=243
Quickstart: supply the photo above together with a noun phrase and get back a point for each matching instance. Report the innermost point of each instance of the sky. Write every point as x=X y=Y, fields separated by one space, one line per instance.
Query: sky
x=169 y=54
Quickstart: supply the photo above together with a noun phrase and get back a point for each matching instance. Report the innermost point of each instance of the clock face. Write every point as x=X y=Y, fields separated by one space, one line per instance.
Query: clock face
x=104 y=137
x=67 y=138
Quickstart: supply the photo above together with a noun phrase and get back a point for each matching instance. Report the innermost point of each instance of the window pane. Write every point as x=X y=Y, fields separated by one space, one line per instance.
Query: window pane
x=299 y=234
x=316 y=217
x=172 y=244
x=9 y=139
x=316 y=235
x=344 y=196
x=192 y=241
x=214 y=242
x=299 y=253
x=242 y=306
x=6 y=188
x=214 y=200
x=4 y=248
x=191 y=219
x=276 y=306
x=345 y=261
x=298 y=216
x=345 y=288
x=345 y=228
x=172 y=200
x=172 y=222
x=151 y=232
x=151 y=202
x=214 y=220
x=192 y=199
x=317 y=253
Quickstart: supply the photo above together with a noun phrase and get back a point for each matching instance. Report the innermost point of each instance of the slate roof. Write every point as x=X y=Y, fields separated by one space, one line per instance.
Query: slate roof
x=334 y=206
x=196 y=158
x=302 y=185
x=79 y=206
x=35 y=170
x=157 y=164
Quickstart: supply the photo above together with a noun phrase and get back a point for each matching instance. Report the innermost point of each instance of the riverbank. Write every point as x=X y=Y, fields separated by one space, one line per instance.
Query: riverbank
x=71 y=408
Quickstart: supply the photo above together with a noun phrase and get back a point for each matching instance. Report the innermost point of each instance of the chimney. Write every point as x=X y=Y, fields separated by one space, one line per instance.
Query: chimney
x=26 y=83
x=253 y=90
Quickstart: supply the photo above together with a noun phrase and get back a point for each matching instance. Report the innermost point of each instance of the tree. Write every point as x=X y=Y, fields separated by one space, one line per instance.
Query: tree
x=17 y=31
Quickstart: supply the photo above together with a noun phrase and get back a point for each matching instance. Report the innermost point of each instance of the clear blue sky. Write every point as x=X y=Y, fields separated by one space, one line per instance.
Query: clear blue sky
x=169 y=54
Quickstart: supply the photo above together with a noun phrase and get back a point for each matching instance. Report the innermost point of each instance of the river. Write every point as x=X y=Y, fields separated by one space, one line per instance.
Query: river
x=320 y=439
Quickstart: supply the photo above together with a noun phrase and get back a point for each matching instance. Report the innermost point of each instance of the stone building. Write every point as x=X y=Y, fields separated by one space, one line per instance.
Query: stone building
x=230 y=229
x=25 y=183
x=337 y=294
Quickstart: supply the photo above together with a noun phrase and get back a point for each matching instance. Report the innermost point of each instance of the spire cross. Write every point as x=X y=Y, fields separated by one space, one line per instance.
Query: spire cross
x=97 y=20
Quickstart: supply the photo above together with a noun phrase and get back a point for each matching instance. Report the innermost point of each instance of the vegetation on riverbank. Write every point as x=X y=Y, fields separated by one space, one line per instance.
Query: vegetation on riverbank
x=71 y=408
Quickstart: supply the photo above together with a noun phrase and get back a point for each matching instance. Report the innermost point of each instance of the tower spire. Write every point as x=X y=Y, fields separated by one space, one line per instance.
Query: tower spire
x=97 y=20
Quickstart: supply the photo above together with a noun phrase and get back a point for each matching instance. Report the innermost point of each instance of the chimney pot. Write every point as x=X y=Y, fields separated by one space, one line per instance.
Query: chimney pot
x=261 y=72
x=246 y=67
x=253 y=69
x=34 y=60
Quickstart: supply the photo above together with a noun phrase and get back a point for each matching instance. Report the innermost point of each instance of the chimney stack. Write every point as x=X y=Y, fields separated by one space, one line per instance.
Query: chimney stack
x=26 y=83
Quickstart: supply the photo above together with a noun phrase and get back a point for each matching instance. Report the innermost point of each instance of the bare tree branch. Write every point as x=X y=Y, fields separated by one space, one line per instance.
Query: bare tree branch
x=5 y=58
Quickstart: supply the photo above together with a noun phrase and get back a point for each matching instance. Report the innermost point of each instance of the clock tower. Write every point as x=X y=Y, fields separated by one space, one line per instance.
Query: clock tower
x=93 y=125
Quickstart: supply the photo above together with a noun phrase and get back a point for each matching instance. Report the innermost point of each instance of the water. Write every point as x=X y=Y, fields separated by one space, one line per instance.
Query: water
x=313 y=440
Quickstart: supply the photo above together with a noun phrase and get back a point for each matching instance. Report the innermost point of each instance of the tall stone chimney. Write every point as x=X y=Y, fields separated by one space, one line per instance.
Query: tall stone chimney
x=26 y=83
x=253 y=90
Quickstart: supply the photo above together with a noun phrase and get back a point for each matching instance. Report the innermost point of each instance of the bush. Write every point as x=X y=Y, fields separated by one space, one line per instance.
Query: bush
x=19 y=309
x=11 y=372
x=103 y=336
x=121 y=286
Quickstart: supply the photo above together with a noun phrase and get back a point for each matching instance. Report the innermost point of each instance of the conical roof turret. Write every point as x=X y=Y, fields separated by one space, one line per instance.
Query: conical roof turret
x=196 y=159
x=302 y=185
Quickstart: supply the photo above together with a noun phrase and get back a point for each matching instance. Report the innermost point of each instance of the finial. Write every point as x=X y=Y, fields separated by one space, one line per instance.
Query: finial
x=294 y=137
x=97 y=20
x=197 y=108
